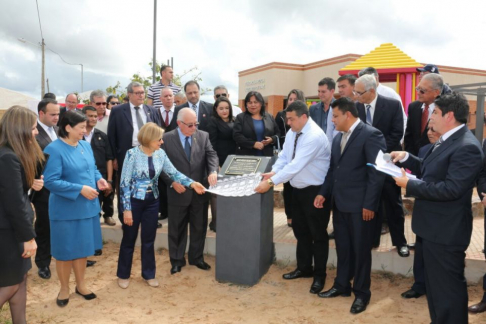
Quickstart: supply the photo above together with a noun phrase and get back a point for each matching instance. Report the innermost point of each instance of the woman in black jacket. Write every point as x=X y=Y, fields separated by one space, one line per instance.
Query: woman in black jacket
x=255 y=131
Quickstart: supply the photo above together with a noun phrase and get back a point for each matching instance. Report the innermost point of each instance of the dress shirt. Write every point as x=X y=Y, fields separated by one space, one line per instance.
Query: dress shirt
x=163 y=114
x=182 y=137
x=372 y=109
x=134 y=122
x=236 y=110
x=312 y=158
x=89 y=136
x=431 y=109
x=352 y=128
x=49 y=130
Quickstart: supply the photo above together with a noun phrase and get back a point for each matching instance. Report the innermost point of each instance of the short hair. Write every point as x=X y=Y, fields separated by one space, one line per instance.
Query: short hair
x=368 y=81
x=369 y=70
x=455 y=102
x=299 y=107
x=350 y=77
x=165 y=89
x=96 y=93
x=183 y=112
x=133 y=84
x=163 y=67
x=180 y=94
x=258 y=96
x=298 y=93
x=220 y=87
x=436 y=80
x=191 y=82
x=71 y=118
x=111 y=97
x=72 y=93
x=42 y=106
x=90 y=108
x=216 y=104
x=345 y=104
x=148 y=133
x=49 y=95
x=331 y=85
x=126 y=99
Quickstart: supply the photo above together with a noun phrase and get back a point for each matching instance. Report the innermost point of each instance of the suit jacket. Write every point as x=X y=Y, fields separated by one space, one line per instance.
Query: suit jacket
x=481 y=185
x=16 y=212
x=245 y=135
x=204 y=160
x=172 y=124
x=281 y=121
x=204 y=113
x=414 y=139
x=442 y=211
x=120 y=129
x=388 y=119
x=221 y=137
x=315 y=111
x=101 y=151
x=350 y=182
x=43 y=139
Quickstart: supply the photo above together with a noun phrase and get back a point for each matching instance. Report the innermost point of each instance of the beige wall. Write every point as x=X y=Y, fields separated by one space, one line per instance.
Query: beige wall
x=275 y=82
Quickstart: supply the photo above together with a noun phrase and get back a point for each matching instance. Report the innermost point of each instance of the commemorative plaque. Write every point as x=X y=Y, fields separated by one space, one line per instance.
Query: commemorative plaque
x=243 y=165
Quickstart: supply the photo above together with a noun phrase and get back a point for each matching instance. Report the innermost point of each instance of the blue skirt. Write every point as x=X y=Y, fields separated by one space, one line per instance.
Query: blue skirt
x=74 y=239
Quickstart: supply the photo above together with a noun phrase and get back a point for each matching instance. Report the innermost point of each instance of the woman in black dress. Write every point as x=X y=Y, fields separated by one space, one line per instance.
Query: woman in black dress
x=19 y=157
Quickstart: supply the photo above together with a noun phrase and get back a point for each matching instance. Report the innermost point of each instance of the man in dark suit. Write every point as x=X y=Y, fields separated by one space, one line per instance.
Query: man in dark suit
x=419 y=113
x=48 y=111
x=385 y=114
x=442 y=215
x=354 y=207
x=203 y=109
x=190 y=150
x=71 y=102
x=123 y=126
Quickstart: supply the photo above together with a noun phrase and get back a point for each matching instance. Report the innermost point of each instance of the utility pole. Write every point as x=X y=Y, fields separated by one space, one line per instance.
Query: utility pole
x=154 y=62
x=43 y=83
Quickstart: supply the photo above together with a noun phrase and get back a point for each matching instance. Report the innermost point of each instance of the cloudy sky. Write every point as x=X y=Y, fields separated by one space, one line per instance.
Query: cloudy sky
x=113 y=39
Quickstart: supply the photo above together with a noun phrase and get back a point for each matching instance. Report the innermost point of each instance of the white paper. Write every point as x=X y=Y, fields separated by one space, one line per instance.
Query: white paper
x=388 y=167
x=238 y=186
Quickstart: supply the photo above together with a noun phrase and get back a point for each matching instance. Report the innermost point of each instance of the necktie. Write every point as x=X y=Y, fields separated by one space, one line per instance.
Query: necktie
x=187 y=148
x=139 y=118
x=194 y=107
x=437 y=144
x=295 y=143
x=166 y=118
x=369 y=120
x=344 y=140
x=425 y=118
x=52 y=134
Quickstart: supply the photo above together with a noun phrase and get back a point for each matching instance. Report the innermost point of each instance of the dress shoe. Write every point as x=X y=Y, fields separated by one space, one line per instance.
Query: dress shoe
x=123 y=283
x=212 y=226
x=203 y=265
x=152 y=283
x=44 y=273
x=289 y=224
x=411 y=294
x=159 y=225
x=98 y=252
x=61 y=302
x=359 y=305
x=384 y=229
x=175 y=269
x=403 y=251
x=331 y=235
x=297 y=274
x=109 y=221
x=87 y=296
x=317 y=285
x=162 y=217
x=333 y=292
x=478 y=308
x=90 y=263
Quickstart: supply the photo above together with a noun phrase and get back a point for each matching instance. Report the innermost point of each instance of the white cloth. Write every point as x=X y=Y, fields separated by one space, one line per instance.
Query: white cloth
x=134 y=122
x=236 y=111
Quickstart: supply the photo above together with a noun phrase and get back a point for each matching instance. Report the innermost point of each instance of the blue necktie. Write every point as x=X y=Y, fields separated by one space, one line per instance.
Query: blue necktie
x=369 y=120
x=187 y=148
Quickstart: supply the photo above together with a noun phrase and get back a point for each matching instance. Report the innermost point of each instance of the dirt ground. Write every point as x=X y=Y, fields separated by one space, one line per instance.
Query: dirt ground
x=194 y=296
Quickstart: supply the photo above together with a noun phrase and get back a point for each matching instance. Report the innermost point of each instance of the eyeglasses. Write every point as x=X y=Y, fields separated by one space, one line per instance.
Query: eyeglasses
x=422 y=91
x=100 y=103
x=139 y=93
x=190 y=125
x=221 y=94
x=114 y=103
x=361 y=93
x=72 y=102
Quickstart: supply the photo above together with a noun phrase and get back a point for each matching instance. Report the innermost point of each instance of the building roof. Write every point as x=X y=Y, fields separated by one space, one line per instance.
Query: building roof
x=9 y=98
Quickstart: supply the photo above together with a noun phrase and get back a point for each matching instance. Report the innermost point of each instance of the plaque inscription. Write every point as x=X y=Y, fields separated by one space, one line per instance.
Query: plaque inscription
x=243 y=165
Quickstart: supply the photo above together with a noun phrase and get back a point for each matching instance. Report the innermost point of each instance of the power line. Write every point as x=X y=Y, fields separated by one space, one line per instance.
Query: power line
x=38 y=15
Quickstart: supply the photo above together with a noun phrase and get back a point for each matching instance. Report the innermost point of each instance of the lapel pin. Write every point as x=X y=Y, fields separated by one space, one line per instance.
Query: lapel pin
x=204 y=115
x=99 y=138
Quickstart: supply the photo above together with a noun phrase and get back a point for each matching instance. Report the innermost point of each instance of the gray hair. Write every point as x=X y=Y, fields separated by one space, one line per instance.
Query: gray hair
x=369 y=70
x=165 y=89
x=132 y=85
x=368 y=81
x=436 y=80
x=220 y=87
x=184 y=112
x=96 y=93
x=180 y=94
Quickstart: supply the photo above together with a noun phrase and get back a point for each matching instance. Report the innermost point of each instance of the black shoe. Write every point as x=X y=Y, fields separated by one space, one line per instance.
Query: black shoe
x=61 y=302
x=477 y=308
x=331 y=235
x=403 y=251
x=359 y=305
x=212 y=227
x=98 y=252
x=90 y=263
x=289 y=224
x=87 y=297
x=317 y=285
x=159 y=225
x=297 y=274
x=384 y=229
x=162 y=217
x=203 y=265
x=333 y=292
x=44 y=273
x=175 y=269
x=411 y=294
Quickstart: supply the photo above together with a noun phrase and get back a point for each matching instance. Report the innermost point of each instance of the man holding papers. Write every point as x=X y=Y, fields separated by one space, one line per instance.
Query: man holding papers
x=442 y=215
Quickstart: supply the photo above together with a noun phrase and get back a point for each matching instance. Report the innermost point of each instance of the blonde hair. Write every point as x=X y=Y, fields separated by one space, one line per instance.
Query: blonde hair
x=148 y=133
x=16 y=133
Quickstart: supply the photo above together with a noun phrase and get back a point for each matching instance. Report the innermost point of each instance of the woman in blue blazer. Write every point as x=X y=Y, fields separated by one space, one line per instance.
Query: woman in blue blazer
x=72 y=178
x=140 y=200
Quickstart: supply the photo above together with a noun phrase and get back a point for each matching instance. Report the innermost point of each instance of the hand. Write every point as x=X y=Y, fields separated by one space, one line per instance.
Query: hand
x=89 y=193
x=115 y=164
x=258 y=146
x=127 y=217
x=403 y=180
x=267 y=140
x=29 y=249
x=396 y=156
x=38 y=183
x=319 y=201
x=262 y=187
x=108 y=190
x=213 y=179
x=484 y=199
x=102 y=184
x=180 y=189
x=368 y=214
x=267 y=175
x=198 y=188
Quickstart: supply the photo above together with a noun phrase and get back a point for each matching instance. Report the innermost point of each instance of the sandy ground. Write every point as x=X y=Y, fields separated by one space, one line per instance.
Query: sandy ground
x=194 y=296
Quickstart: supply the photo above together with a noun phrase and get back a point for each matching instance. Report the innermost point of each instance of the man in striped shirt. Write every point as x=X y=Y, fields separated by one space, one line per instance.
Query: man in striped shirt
x=166 y=76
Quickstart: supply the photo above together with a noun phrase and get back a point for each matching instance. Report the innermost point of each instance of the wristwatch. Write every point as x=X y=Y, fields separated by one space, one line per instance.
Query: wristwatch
x=270 y=182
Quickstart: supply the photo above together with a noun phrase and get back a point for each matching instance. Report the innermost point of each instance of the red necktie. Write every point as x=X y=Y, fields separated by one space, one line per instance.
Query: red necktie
x=166 y=118
x=425 y=118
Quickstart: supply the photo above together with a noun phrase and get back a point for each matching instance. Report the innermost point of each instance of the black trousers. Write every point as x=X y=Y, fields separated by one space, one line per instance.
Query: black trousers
x=287 y=196
x=179 y=219
x=163 y=206
x=310 y=229
x=106 y=203
x=43 y=234
x=419 y=268
x=353 y=237
x=445 y=282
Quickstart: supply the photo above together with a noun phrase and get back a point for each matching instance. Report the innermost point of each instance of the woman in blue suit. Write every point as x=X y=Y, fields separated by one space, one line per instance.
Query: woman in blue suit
x=140 y=200
x=72 y=178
